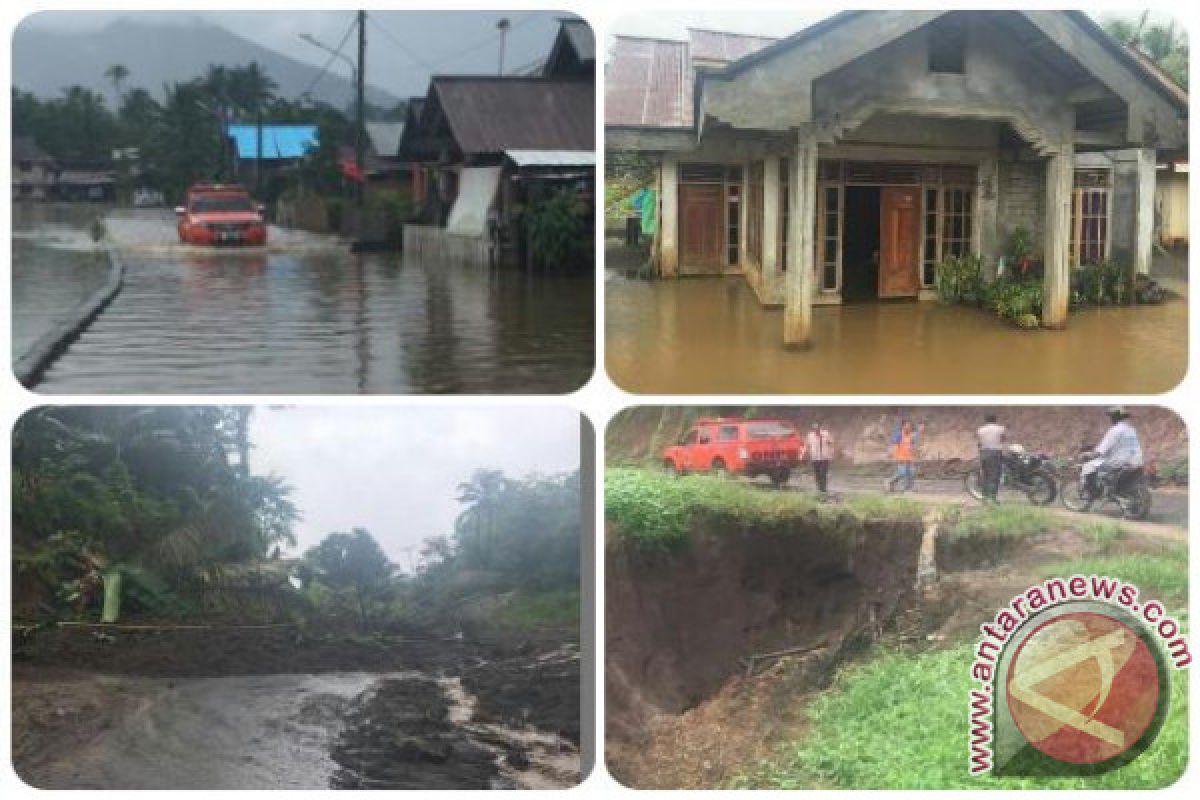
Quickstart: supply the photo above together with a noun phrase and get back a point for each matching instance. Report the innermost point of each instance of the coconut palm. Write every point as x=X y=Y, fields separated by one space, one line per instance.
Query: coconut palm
x=117 y=74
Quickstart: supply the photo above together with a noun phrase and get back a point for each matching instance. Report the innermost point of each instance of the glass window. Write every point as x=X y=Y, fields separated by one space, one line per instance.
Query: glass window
x=733 y=212
x=956 y=222
x=1089 y=226
x=728 y=433
x=830 y=245
x=930 y=254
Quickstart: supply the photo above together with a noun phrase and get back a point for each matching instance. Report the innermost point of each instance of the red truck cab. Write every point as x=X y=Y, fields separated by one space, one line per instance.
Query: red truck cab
x=732 y=445
x=216 y=213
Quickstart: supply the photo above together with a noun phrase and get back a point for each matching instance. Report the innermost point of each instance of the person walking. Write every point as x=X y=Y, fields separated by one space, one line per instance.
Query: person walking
x=818 y=446
x=905 y=442
x=990 y=438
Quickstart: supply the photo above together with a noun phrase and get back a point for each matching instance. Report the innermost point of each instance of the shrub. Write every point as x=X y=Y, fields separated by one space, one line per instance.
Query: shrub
x=560 y=229
x=1017 y=301
x=959 y=279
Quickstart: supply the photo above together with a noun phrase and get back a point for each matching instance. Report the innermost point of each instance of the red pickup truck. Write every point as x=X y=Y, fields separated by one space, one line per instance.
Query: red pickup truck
x=216 y=213
x=729 y=445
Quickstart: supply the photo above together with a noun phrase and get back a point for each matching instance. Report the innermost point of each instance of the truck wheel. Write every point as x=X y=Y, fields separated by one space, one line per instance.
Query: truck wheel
x=780 y=477
x=669 y=468
x=719 y=469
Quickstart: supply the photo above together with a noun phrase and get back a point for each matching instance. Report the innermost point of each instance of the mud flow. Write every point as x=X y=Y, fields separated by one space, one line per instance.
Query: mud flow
x=162 y=711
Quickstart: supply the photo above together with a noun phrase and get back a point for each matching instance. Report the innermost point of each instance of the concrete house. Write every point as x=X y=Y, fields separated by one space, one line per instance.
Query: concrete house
x=846 y=161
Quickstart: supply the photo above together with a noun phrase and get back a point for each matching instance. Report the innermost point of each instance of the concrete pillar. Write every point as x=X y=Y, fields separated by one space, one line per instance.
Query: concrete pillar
x=1060 y=174
x=1143 y=236
x=744 y=219
x=801 y=277
x=769 y=282
x=986 y=218
x=668 y=223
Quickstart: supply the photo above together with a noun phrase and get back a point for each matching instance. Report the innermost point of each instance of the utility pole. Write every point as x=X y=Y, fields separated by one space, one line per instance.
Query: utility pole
x=503 y=25
x=360 y=130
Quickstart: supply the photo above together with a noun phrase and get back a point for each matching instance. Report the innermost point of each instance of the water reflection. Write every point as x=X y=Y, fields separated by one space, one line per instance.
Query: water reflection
x=312 y=318
x=711 y=336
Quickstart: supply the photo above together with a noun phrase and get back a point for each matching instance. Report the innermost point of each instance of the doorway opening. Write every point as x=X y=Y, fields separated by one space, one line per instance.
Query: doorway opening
x=860 y=245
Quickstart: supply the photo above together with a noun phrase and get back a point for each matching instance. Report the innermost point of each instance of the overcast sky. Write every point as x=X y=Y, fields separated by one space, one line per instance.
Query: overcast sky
x=408 y=43
x=395 y=471
x=674 y=24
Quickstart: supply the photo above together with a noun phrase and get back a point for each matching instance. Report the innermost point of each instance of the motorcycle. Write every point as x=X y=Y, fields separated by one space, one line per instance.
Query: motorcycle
x=1030 y=473
x=1127 y=487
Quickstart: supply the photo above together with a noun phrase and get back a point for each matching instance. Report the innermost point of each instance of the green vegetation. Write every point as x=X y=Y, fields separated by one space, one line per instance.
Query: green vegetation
x=900 y=722
x=1162 y=576
x=656 y=509
x=158 y=500
x=1164 y=44
x=560 y=229
x=1000 y=521
x=126 y=511
x=559 y=609
x=179 y=140
x=959 y=279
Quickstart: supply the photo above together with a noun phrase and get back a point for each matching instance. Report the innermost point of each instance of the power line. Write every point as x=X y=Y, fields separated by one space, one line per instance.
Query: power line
x=337 y=53
x=396 y=41
x=494 y=37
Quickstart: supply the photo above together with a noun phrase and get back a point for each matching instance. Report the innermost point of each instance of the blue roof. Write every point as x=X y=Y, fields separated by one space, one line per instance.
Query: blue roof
x=279 y=141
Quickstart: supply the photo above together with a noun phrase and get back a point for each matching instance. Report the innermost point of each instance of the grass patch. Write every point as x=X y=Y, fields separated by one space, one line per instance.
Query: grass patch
x=1161 y=576
x=549 y=609
x=656 y=509
x=1001 y=520
x=900 y=722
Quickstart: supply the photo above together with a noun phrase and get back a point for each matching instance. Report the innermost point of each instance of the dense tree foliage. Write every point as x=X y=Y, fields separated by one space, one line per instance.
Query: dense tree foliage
x=180 y=138
x=353 y=564
x=1163 y=43
x=161 y=496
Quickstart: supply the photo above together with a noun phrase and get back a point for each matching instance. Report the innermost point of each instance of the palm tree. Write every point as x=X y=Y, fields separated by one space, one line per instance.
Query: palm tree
x=251 y=89
x=116 y=74
x=1165 y=45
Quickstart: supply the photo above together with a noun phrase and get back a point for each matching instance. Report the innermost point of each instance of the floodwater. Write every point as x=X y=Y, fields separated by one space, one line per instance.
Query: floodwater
x=304 y=315
x=55 y=267
x=710 y=336
x=240 y=732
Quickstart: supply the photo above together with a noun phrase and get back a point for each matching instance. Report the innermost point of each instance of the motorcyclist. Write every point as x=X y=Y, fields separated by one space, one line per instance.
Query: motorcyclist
x=1120 y=449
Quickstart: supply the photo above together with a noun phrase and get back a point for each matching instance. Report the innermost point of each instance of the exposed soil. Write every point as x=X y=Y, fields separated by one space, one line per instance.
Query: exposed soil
x=735 y=593
x=681 y=624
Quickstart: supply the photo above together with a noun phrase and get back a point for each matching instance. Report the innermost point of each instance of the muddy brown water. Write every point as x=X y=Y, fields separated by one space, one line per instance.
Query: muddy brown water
x=710 y=335
x=304 y=315
x=277 y=732
x=55 y=267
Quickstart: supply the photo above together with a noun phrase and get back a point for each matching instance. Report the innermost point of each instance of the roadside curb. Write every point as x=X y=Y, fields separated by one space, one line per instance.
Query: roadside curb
x=32 y=366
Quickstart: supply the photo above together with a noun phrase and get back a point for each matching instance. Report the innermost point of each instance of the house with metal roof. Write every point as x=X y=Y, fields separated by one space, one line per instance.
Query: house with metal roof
x=484 y=146
x=848 y=160
x=34 y=172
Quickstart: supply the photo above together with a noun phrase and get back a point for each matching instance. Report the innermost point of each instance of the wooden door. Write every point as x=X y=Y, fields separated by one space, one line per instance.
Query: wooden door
x=899 y=241
x=701 y=228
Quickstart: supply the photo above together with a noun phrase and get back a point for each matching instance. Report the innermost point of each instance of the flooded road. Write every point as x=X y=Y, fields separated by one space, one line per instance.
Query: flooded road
x=304 y=315
x=55 y=266
x=709 y=335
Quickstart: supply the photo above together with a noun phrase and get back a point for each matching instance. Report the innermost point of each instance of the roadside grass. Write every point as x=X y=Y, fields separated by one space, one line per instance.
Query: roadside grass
x=1160 y=576
x=900 y=722
x=1000 y=520
x=656 y=509
x=559 y=609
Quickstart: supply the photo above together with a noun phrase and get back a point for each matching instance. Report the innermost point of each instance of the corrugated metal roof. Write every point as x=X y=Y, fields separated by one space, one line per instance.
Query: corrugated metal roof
x=279 y=141
x=552 y=158
x=385 y=137
x=24 y=148
x=648 y=84
x=724 y=47
x=491 y=114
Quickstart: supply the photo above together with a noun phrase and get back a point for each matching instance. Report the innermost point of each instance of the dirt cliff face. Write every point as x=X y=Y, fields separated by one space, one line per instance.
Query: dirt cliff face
x=862 y=433
x=679 y=623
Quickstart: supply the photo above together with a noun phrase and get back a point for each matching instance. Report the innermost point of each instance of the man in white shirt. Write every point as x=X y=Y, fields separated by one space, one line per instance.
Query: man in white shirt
x=818 y=445
x=1119 y=449
x=990 y=438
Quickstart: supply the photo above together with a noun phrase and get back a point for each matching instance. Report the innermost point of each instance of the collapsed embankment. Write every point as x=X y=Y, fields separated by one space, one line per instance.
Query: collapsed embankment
x=681 y=621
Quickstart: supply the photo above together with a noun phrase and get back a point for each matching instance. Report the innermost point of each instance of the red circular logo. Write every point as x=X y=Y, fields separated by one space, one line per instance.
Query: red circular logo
x=1083 y=688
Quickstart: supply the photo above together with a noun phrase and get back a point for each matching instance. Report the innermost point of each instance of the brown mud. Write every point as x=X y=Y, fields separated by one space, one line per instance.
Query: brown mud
x=680 y=625
x=382 y=711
